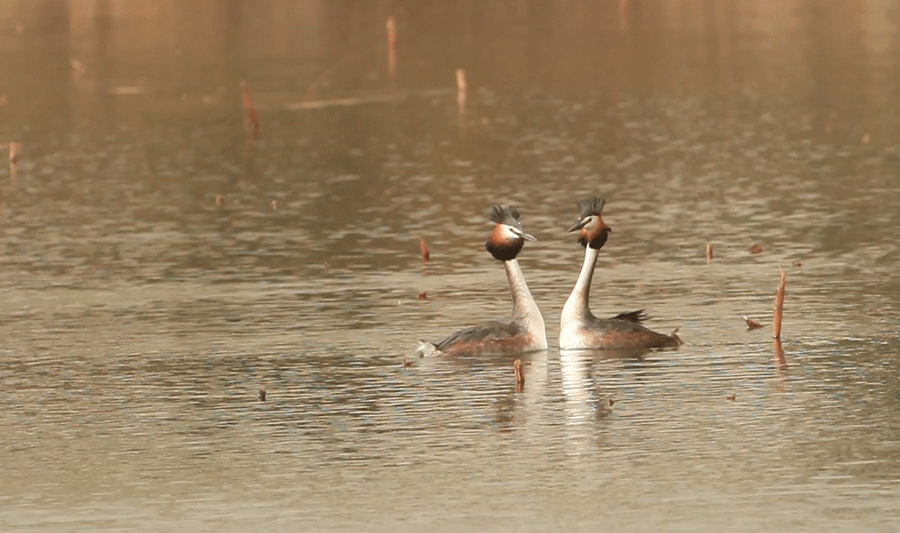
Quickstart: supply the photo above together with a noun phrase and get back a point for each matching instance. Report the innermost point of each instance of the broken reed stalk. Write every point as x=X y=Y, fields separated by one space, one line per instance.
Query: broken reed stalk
x=779 y=307
x=13 y=159
x=392 y=46
x=251 y=119
x=779 y=354
x=423 y=250
x=709 y=252
x=520 y=376
x=461 y=87
x=391 y=34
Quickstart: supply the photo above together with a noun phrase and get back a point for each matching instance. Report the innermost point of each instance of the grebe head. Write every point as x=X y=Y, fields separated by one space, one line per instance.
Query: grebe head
x=508 y=237
x=593 y=231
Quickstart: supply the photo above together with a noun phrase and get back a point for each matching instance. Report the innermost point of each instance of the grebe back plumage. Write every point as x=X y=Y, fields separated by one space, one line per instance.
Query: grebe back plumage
x=578 y=327
x=526 y=331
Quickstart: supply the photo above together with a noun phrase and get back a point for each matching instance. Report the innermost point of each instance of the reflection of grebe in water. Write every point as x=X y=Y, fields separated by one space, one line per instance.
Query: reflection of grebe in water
x=526 y=331
x=578 y=327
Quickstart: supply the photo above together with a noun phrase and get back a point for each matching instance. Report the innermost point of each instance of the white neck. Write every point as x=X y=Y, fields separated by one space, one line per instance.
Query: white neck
x=576 y=307
x=525 y=310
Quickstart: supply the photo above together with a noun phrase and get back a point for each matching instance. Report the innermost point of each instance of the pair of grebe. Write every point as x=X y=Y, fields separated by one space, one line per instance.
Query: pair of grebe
x=579 y=328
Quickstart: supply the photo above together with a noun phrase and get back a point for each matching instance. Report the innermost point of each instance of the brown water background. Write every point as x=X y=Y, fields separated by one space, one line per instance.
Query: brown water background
x=139 y=314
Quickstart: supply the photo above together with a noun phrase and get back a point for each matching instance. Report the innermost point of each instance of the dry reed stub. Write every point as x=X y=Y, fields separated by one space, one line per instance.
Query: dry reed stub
x=392 y=46
x=14 y=152
x=520 y=376
x=709 y=252
x=461 y=87
x=780 y=360
x=391 y=27
x=779 y=307
x=262 y=392
x=251 y=119
x=423 y=250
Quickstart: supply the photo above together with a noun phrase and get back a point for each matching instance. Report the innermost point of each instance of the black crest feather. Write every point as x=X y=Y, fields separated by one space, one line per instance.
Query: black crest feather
x=591 y=206
x=505 y=215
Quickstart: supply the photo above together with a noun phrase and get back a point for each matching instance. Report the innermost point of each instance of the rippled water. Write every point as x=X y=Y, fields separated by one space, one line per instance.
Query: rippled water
x=140 y=314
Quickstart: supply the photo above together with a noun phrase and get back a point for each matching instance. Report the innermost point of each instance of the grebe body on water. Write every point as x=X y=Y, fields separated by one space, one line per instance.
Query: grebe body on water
x=526 y=331
x=578 y=327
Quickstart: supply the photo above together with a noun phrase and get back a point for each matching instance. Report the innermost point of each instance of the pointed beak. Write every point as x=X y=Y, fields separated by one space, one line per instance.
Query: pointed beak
x=528 y=237
x=584 y=222
x=580 y=224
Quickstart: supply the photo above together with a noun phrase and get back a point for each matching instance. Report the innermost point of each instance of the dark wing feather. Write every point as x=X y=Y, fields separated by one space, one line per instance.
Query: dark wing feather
x=490 y=331
x=623 y=332
x=638 y=317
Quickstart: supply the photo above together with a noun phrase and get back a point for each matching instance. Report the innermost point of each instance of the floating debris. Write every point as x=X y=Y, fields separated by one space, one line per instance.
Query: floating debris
x=611 y=402
x=126 y=90
x=423 y=295
x=796 y=263
x=220 y=200
x=274 y=205
x=779 y=307
x=262 y=392
x=751 y=324
x=394 y=96
x=731 y=397
x=709 y=252
x=755 y=249
x=406 y=362
x=865 y=139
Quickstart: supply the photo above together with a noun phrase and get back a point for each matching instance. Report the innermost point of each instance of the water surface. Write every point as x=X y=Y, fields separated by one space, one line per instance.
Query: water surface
x=155 y=272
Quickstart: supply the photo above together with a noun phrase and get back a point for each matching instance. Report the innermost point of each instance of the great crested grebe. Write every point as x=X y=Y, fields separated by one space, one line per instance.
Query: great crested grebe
x=526 y=331
x=578 y=327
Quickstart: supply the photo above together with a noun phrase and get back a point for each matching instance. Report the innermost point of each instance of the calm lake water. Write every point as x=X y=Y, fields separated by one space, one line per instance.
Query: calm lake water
x=156 y=269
